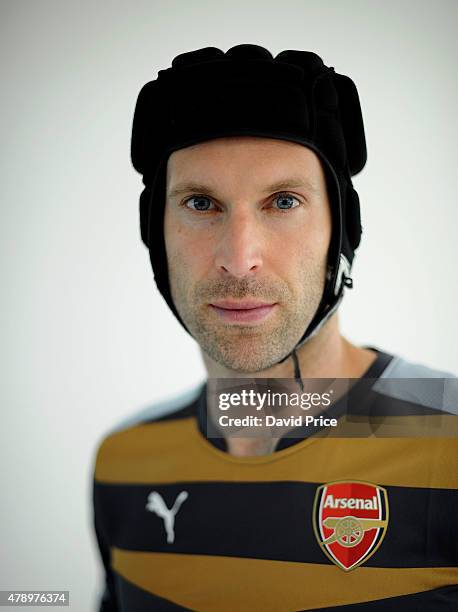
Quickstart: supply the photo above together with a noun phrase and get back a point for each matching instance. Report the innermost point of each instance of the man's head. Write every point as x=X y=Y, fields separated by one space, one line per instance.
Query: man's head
x=246 y=218
x=307 y=109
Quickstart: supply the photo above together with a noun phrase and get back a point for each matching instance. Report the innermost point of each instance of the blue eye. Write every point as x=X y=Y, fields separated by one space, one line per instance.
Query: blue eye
x=286 y=201
x=202 y=203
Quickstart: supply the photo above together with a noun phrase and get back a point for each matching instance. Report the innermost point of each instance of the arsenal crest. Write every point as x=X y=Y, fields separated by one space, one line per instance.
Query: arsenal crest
x=350 y=519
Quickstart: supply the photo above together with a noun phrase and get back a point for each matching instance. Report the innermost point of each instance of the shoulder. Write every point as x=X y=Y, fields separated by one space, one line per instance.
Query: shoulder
x=403 y=368
x=420 y=384
x=173 y=408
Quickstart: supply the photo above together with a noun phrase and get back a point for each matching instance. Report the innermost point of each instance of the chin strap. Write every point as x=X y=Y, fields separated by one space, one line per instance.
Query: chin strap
x=297 y=370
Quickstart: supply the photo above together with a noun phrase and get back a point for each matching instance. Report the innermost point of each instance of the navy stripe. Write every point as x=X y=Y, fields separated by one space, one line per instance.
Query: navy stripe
x=273 y=520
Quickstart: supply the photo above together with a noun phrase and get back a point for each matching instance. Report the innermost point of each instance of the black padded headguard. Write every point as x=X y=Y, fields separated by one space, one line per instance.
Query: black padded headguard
x=208 y=94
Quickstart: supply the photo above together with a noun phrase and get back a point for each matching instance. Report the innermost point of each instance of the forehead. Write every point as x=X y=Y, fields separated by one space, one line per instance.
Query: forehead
x=243 y=155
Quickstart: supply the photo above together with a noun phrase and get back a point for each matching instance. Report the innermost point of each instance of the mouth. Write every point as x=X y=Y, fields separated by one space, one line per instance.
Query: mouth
x=243 y=311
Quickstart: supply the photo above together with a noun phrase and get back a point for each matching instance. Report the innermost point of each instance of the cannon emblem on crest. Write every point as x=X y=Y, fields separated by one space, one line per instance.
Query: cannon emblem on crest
x=348 y=530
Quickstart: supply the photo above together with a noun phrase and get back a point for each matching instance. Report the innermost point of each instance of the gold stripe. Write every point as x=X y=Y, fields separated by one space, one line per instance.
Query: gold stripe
x=175 y=451
x=226 y=584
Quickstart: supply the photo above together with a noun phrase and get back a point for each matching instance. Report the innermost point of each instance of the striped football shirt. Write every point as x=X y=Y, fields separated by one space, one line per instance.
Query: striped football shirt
x=361 y=522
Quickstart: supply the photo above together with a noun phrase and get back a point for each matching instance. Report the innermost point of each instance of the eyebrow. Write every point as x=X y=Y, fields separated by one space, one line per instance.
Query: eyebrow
x=290 y=183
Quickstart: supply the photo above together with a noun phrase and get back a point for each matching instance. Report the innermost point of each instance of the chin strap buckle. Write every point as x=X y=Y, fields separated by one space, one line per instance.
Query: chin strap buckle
x=347 y=281
x=343 y=277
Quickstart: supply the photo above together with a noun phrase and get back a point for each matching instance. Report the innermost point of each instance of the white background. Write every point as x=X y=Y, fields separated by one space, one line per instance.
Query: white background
x=86 y=337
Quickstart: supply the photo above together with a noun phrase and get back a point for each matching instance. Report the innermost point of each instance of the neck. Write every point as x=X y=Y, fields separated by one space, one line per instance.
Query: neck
x=326 y=355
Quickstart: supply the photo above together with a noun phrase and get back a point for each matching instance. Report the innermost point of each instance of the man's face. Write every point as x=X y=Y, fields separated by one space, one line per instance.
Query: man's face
x=247 y=229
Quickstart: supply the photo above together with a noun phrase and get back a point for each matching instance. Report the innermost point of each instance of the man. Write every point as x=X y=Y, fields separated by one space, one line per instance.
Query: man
x=252 y=221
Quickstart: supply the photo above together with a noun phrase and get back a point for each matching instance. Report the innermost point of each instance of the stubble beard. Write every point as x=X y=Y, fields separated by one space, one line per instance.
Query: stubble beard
x=249 y=349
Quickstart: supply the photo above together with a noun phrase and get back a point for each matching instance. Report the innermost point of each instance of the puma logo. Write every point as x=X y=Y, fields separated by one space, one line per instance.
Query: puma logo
x=157 y=505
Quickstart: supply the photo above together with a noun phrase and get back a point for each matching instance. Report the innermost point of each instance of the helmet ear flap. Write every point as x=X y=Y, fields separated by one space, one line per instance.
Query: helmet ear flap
x=145 y=206
x=352 y=123
x=152 y=207
x=352 y=217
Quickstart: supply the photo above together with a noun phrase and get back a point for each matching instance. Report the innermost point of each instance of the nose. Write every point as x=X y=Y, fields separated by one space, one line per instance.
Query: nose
x=239 y=251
